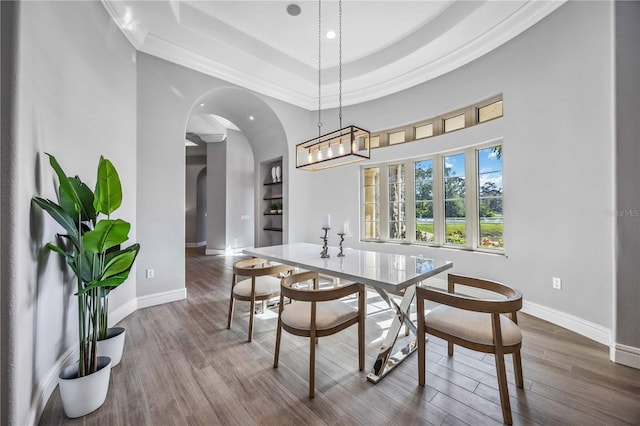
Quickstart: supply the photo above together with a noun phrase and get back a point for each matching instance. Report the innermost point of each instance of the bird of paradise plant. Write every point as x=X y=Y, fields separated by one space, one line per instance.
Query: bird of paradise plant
x=91 y=247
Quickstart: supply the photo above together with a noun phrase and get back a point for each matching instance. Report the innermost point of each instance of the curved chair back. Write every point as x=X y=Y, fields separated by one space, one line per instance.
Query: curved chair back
x=475 y=323
x=263 y=284
x=316 y=313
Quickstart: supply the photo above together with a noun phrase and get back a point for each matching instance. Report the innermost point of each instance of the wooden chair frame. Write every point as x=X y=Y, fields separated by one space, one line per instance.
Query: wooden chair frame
x=510 y=306
x=253 y=268
x=315 y=295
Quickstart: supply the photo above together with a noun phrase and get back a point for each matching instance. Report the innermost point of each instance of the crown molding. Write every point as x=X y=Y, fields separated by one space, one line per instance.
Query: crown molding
x=282 y=85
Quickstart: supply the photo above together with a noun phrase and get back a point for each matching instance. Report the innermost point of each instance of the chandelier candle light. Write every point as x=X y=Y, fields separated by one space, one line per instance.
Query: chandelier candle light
x=344 y=146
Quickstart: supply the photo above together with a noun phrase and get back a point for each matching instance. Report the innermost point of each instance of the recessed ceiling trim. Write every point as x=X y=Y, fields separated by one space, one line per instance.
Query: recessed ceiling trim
x=166 y=50
x=281 y=81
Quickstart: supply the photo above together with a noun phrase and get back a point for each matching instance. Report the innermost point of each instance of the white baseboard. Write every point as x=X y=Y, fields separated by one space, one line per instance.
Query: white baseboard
x=226 y=252
x=122 y=312
x=195 y=245
x=578 y=325
x=625 y=355
x=161 y=298
x=50 y=381
x=214 y=251
x=48 y=385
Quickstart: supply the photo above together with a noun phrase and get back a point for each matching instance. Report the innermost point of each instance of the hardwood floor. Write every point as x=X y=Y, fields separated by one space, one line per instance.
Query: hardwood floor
x=182 y=366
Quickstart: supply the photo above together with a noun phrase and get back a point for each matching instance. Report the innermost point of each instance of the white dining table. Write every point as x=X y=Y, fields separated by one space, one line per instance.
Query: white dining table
x=387 y=273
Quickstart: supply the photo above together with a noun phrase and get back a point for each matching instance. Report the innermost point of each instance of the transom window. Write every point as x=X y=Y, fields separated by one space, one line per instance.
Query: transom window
x=452 y=199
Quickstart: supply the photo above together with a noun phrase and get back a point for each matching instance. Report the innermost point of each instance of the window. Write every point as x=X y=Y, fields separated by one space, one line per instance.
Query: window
x=372 y=203
x=489 y=112
x=424 y=131
x=396 y=137
x=424 y=200
x=397 y=191
x=453 y=123
x=454 y=199
x=490 y=218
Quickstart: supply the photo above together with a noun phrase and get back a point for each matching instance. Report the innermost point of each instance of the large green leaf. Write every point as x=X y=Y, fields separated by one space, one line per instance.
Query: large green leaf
x=69 y=189
x=59 y=215
x=112 y=254
x=88 y=212
x=110 y=282
x=106 y=234
x=119 y=263
x=108 y=192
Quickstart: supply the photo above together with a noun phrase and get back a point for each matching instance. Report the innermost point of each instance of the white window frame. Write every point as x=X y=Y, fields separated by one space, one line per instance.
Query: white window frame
x=472 y=195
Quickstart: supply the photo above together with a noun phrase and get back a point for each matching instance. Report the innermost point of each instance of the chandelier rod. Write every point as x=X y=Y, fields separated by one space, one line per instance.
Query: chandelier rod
x=340 y=62
x=319 y=67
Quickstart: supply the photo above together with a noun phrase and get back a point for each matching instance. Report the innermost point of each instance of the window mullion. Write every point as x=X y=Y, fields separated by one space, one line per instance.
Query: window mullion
x=384 y=202
x=438 y=201
x=471 y=198
x=410 y=201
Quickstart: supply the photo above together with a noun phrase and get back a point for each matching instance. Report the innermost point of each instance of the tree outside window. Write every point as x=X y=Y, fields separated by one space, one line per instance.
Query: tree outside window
x=454 y=199
x=490 y=216
x=424 y=201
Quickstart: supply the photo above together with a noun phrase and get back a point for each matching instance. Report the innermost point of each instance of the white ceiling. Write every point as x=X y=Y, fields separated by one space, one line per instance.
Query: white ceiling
x=387 y=45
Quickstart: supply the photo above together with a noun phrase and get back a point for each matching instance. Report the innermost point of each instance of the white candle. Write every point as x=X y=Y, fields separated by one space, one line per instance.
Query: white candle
x=326 y=223
x=345 y=228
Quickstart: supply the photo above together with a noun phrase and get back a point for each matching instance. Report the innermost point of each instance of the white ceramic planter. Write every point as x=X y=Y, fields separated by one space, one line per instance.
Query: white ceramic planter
x=113 y=345
x=83 y=395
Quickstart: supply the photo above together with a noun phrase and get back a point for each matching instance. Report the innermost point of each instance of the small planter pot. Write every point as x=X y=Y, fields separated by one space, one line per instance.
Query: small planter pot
x=83 y=395
x=113 y=345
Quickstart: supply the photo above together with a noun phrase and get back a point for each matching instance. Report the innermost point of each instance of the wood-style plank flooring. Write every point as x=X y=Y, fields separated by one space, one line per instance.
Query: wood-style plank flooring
x=182 y=366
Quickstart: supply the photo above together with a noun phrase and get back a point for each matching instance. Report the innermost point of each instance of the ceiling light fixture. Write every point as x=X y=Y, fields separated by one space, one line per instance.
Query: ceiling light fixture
x=293 y=9
x=352 y=142
x=251 y=117
x=331 y=34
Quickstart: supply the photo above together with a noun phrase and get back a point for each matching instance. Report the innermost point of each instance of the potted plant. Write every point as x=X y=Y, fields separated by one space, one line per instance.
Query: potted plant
x=273 y=208
x=91 y=248
x=279 y=208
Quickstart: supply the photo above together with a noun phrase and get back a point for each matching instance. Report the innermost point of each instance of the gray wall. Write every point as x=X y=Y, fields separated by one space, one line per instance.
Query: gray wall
x=240 y=191
x=558 y=160
x=216 y=195
x=195 y=164
x=75 y=98
x=201 y=207
x=628 y=172
x=230 y=193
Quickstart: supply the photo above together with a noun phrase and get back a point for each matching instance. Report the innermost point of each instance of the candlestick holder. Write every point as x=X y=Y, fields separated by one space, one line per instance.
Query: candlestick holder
x=325 y=249
x=341 y=234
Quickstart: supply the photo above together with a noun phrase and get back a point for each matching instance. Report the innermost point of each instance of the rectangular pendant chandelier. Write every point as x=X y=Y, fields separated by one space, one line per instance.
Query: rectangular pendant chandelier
x=347 y=145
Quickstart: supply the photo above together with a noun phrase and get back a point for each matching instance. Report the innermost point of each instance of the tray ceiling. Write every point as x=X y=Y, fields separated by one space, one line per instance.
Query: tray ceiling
x=388 y=46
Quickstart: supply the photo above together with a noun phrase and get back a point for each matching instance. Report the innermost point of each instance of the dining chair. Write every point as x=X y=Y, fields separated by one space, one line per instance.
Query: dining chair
x=475 y=323
x=316 y=313
x=262 y=284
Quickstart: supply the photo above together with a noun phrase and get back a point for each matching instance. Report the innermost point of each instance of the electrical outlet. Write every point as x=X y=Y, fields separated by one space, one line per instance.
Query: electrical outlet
x=151 y=273
x=557 y=283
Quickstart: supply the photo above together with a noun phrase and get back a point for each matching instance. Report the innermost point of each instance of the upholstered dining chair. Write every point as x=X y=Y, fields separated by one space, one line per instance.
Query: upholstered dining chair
x=262 y=284
x=475 y=323
x=316 y=313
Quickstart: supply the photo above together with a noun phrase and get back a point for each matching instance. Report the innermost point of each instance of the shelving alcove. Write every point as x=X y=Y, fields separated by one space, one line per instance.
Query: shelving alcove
x=272 y=201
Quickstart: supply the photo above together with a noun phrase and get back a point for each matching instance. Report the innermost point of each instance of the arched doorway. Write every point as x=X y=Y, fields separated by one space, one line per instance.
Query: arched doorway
x=237 y=150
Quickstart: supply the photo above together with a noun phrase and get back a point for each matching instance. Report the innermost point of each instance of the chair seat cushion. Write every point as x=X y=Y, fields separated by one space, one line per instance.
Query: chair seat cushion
x=471 y=326
x=328 y=314
x=265 y=285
